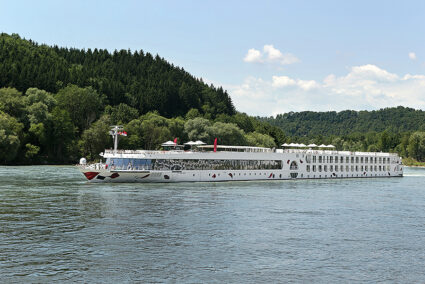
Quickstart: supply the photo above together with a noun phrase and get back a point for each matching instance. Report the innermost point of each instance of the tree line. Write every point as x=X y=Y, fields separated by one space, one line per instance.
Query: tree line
x=42 y=127
x=398 y=129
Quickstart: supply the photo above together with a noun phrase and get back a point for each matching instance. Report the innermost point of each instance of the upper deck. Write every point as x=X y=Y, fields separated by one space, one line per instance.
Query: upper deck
x=236 y=151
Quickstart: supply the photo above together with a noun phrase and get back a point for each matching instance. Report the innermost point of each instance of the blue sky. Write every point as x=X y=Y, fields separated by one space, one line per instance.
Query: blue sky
x=271 y=56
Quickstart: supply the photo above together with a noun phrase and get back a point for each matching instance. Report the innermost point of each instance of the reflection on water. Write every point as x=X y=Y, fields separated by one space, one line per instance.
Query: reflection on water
x=56 y=227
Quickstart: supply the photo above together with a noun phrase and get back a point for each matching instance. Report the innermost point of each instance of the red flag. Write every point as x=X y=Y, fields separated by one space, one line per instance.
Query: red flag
x=124 y=133
x=175 y=141
x=215 y=145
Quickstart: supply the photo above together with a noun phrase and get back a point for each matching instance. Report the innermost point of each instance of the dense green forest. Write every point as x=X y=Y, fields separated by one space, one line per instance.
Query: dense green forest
x=396 y=120
x=57 y=105
x=399 y=129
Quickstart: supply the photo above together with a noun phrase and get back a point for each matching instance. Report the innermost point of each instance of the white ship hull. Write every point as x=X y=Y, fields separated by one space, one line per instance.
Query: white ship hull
x=219 y=176
x=293 y=164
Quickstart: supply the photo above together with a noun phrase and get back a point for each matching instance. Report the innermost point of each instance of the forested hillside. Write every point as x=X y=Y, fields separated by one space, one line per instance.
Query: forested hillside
x=137 y=79
x=398 y=119
x=399 y=129
x=57 y=104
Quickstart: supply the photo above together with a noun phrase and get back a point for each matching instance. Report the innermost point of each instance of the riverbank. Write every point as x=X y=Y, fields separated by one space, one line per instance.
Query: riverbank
x=410 y=162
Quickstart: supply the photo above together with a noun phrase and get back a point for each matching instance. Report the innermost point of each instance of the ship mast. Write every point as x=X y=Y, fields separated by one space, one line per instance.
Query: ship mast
x=115 y=129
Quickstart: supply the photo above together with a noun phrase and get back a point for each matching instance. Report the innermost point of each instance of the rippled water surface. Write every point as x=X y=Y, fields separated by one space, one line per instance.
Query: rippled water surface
x=56 y=227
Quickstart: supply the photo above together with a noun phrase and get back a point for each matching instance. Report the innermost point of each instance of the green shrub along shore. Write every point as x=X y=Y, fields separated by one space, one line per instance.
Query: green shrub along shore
x=57 y=105
x=413 y=163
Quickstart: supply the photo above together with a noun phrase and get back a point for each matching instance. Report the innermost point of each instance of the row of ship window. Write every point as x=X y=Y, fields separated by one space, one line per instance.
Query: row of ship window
x=191 y=164
x=356 y=168
x=331 y=159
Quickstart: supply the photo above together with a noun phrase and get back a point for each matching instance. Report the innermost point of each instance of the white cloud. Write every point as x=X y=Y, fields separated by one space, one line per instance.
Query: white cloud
x=370 y=72
x=412 y=55
x=307 y=84
x=253 y=55
x=282 y=81
x=363 y=87
x=285 y=81
x=271 y=55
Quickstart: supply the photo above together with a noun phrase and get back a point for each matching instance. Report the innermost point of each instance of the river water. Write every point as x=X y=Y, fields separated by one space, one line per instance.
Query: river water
x=56 y=227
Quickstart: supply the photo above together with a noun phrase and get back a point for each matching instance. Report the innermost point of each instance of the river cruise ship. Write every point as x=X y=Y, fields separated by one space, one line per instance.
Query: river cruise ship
x=212 y=163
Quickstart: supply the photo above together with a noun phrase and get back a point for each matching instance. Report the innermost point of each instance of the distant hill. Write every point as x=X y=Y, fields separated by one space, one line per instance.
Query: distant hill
x=309 y=123
x=138 y=79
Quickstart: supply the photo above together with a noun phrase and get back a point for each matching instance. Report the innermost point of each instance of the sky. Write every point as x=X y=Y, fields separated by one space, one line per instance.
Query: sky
x=271 y=56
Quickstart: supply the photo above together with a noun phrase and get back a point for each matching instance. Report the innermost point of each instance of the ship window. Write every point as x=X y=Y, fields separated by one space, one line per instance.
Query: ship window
x=293 y=166
x=336 y=159
x=308 y=159
x=189 y=164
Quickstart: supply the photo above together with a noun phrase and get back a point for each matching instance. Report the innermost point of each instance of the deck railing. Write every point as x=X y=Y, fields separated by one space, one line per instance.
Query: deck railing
x=303 y=151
